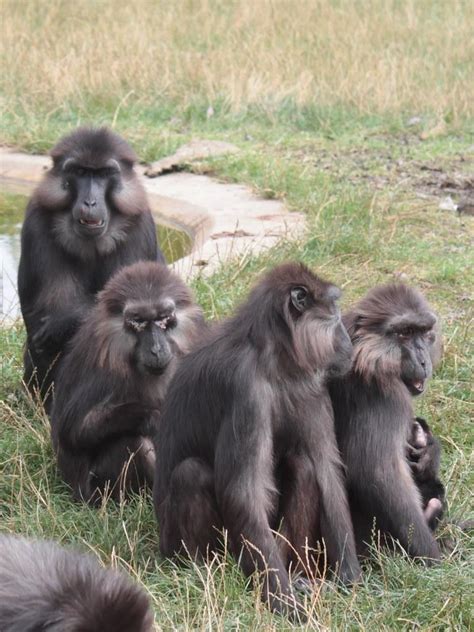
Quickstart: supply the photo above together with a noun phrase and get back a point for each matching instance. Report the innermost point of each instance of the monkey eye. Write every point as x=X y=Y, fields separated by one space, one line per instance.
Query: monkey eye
x=79 y=171
x=166 y=322
x=405 y=334
x=299 y=298
x=137 y=324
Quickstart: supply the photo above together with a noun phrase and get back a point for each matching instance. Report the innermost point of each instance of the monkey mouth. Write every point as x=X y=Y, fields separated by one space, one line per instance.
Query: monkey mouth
x=416 y=387
x=155 y=369
x=92 y=223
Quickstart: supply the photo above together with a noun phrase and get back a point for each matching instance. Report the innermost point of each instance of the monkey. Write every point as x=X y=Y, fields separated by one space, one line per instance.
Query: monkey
x=111 y=383
x=424 y=455
x=88 y=217
x=396 y=344
x=247 y=440
x=46 y=587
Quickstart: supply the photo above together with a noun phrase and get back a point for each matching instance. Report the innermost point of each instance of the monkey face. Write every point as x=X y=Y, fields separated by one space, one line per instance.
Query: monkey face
x=89 y=189
x=396 y=337
x=416 y=365
x=318 y=323
x=151 y=327
x=342 y=344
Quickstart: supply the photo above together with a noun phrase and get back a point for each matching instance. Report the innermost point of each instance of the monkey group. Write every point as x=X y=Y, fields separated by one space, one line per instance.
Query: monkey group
x=286 y=426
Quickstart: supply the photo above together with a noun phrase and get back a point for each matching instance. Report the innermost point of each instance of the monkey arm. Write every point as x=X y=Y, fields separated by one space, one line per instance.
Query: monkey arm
x=55 y=330
x=400 y=512
x=51 y=295
x=107 y=420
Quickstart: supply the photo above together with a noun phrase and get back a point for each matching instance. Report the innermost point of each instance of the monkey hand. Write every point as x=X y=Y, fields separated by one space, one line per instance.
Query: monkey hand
x=41 y=337
x=53 y=332
x=420 y=461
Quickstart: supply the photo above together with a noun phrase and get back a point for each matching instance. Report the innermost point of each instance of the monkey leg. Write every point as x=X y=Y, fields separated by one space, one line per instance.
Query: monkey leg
x=336 y=526
x=189 y=519
x=433 y=512
x=299 y=516
x=123 y=465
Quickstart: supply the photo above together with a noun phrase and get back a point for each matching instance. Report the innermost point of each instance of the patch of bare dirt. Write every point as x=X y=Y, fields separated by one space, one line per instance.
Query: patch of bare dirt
x=393 y=167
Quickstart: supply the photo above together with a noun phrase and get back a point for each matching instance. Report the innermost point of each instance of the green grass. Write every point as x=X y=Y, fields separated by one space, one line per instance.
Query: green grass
x=356 y=239
x=320 y=124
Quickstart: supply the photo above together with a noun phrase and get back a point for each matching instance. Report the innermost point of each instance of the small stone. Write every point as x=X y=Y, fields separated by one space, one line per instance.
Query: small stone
x=448 y=204
x=414 y=120
x=400 y=276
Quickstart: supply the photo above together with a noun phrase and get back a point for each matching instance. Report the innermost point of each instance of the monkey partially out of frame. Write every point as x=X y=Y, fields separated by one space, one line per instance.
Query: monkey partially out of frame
x=111 y=383
x=424 y=455
x=44 y=587
x=87 y=218
x=247 y=439
x=396 y=344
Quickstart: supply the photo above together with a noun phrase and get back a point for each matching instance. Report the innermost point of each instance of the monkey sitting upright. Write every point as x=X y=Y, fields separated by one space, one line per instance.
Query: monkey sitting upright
x=88 y=217
x=396 y=344
x=111 y=383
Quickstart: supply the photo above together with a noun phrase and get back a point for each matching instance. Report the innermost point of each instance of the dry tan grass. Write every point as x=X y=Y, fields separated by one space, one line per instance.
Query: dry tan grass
x=377 y=55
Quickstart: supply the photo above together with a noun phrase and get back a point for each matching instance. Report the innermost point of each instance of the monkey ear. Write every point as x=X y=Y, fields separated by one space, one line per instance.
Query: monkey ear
x=114 y=165
x=333 y=293
x=351 y=321
x=68 y=164
x=299 y=298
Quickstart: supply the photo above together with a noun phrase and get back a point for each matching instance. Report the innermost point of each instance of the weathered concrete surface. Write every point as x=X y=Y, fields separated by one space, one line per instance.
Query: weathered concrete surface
x=195 y=150
x=225 y=221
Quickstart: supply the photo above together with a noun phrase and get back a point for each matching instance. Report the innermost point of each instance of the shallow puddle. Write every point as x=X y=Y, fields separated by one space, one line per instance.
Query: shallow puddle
x=174 y=244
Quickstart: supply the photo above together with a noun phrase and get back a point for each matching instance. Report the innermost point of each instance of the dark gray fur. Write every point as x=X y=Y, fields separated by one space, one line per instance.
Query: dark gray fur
x=424 y=457
x=45 y=588
x=88 y=217
x=396 y=343
x=247 y=438
x=111 y=383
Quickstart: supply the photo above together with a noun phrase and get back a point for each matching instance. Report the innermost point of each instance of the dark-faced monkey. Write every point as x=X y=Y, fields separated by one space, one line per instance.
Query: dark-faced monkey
x=247 y=440
x=45 y=588
x=111 y=383
x=88 y=217
x=396 y=343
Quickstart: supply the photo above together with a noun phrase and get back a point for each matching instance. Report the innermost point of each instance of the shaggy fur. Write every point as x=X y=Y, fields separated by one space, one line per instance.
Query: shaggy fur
x=396 y=342
x=65 y=261
x=46 y=588
x=112 y=382
x=247 y=440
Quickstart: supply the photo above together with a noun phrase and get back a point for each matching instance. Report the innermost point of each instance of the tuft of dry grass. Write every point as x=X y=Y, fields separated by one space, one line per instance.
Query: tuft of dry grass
x=376 y=56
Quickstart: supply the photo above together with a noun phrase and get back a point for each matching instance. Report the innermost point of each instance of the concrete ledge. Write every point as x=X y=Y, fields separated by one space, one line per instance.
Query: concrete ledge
x=225 y=221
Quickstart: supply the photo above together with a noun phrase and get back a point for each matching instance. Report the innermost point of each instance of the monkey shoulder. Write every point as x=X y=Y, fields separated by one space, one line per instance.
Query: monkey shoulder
x=141 y=243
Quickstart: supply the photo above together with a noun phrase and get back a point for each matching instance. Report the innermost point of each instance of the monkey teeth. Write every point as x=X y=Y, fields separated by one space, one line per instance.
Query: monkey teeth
x=418 y=385
x=91 y=223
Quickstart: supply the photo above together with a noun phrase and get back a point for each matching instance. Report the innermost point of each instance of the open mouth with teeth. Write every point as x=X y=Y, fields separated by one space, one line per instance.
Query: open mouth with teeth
x=92 y=223
x=416 y=387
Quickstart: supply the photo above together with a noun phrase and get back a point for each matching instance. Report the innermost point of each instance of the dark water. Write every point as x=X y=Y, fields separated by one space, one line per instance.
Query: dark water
x=175 y=244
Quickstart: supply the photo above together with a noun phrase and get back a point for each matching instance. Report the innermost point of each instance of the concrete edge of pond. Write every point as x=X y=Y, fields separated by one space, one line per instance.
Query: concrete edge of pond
x=225 y=221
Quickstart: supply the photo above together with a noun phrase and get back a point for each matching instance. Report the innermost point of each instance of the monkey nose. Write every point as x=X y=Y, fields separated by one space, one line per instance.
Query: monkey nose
x=90 y=203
